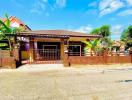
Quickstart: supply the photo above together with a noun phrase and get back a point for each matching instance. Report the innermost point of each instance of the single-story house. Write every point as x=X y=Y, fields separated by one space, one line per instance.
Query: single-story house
x=51 y=45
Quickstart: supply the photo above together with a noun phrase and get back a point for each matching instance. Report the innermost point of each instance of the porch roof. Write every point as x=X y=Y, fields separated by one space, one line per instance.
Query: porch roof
x=56 y=33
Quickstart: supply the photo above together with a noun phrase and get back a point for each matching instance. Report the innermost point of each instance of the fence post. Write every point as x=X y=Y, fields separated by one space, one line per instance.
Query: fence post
x=131 y=54
x=105 y=56
x=66 y=53
x=17 y=56
x=0 y=58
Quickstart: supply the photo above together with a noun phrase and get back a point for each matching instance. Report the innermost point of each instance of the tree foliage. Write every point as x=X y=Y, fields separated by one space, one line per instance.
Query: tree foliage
x=95 y=31
x=104 y=31
x=92 y=45
x=126 y=36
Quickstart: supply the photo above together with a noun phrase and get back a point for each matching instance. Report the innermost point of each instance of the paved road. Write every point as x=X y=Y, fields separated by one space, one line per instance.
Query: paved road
x=68 y=84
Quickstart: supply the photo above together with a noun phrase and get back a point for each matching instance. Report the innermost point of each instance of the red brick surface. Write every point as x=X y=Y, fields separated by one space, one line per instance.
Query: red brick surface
x=99 y=59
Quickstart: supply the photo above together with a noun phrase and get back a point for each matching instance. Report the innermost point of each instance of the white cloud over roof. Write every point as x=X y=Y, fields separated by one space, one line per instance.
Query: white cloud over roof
x=109 y=6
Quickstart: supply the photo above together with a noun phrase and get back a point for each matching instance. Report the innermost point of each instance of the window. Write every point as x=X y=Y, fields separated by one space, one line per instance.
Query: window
x=74 y=50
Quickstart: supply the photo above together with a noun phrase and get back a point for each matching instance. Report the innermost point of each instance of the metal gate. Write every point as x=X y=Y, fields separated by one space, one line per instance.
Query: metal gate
x=47 y=54
x=42 y=56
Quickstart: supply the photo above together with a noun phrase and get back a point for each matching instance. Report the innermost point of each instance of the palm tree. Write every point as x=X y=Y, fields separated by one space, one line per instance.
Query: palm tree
x=104 y=31
x=92 y=45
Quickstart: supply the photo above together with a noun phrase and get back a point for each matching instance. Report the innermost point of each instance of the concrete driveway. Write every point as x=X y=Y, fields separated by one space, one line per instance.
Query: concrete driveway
x=35 y=68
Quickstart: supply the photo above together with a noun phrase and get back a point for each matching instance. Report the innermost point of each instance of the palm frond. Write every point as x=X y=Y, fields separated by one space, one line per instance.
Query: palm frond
x=5 y=28
x=7 y=22
x=88 y=43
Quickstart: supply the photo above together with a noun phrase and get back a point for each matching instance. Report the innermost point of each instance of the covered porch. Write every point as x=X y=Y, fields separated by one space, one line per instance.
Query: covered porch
x=45 y=50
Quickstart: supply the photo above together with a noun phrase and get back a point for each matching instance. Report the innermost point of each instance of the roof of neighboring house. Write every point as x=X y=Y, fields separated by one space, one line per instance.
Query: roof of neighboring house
x=14 y=19
x=57 y=33
x=3 y=19
x=118 y=43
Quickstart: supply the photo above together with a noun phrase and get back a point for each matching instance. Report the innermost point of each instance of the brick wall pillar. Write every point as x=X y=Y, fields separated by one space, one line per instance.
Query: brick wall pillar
x=16 y=54
x=105 y=56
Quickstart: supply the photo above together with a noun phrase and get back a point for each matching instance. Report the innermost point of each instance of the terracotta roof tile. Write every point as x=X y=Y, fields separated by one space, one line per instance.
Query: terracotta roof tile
x=60 y=32
x=14 y=19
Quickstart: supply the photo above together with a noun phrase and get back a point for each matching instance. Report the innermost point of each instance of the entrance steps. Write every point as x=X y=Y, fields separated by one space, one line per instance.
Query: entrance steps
x=43 y=62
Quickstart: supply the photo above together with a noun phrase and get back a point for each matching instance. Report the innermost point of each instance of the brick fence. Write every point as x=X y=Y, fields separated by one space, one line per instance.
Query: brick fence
x=105 y=59
x=6 y=61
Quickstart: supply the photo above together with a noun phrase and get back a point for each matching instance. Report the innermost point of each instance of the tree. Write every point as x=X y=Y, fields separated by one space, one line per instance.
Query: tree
x=126 y=36
x=95 y=31
x=92 y=45
x=104 y=31
x=6 y=30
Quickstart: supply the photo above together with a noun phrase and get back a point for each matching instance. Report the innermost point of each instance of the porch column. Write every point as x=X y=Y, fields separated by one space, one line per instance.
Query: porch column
x=31 y=49
x=66 y=56
x=36 y=49
x=62 y=49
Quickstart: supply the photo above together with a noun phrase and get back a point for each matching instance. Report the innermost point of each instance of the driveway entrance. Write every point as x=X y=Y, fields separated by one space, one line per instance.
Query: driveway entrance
x=40 y=67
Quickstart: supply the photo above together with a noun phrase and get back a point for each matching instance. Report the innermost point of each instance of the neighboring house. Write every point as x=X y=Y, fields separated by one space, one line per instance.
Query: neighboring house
x=15 y=22
x=118 y=45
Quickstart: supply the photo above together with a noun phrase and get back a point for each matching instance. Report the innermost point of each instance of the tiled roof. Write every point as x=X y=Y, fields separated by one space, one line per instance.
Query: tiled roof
x=59 y=32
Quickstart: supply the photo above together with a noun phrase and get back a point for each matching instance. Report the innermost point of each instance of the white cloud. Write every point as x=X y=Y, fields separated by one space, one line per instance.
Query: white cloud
x=117 y=29
x=61 y=3
x=109 y=6
x=84 y=29
x=125 y=12
x=129 y=2
x=39 y=6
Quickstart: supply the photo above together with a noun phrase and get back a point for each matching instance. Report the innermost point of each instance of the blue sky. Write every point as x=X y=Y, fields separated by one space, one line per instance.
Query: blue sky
x=76 y=15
